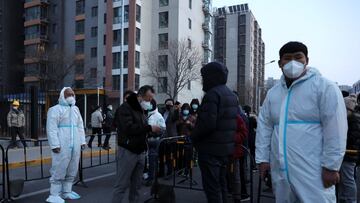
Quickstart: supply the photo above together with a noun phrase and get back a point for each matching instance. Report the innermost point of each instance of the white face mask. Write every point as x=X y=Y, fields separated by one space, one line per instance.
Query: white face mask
x=293 y=69
x=110 y=108
x=146 y=105
x=71 y=100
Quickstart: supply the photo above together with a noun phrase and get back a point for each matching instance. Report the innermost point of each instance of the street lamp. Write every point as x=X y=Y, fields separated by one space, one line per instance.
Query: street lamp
x=258 y=88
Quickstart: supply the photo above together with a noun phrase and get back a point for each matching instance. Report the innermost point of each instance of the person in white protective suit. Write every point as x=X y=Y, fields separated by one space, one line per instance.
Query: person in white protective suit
x=65 y=131
x=301 y=132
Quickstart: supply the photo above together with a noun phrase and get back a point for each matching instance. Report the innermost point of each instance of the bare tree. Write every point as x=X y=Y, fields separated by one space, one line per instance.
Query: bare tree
x=183 y=62
x=54 y=66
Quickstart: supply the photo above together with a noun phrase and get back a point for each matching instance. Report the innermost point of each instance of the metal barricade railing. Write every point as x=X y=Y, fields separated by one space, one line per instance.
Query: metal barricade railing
x=176 y=157
x=260 y=194
x=24 y=163
x=3 y=171
x=101 y=153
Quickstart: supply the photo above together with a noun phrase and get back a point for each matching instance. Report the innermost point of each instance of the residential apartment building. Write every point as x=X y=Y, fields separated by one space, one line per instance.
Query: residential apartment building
x=64 y=40
x=105 y=43
x=140 y=28
x=270 y=82
x=11 y=44
x=239 y=45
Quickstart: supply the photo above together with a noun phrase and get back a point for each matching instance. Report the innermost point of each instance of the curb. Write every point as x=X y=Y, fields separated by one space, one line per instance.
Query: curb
x=47 y=160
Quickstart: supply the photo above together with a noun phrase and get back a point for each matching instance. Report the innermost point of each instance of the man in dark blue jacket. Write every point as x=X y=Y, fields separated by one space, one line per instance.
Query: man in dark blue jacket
x=213 y=135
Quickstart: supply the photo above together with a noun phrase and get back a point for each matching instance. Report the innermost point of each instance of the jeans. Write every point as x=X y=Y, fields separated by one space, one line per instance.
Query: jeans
x=130 y=168
x=347 y=186
x=213 y=172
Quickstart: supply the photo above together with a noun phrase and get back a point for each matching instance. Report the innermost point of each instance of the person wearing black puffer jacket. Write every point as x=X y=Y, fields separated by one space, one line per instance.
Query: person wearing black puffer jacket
x=132 y=129
x=213 y=135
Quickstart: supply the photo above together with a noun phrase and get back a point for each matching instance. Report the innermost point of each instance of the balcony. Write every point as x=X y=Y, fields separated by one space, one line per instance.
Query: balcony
x=205 y=26
x=206 y=9
x=29 y=3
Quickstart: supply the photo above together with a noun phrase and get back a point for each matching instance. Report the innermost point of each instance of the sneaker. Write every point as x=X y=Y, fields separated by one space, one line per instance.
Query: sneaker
x=245 y=197
x=55 y=199
x=71 y=195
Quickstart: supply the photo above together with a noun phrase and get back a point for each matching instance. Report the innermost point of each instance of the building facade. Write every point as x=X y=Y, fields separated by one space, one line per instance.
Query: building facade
x=11 y=44
x=239 y=45
x=64 y=41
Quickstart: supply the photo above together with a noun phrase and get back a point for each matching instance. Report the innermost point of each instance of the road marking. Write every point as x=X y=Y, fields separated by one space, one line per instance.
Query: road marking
x=47 y=190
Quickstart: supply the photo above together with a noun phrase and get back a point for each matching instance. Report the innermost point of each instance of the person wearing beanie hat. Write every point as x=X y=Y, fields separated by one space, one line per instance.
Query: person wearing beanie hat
x=213 y=134
x=16 y=123
x=301 y=131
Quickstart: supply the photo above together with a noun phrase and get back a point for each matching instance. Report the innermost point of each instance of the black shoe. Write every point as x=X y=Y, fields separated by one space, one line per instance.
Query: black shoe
x=106 y=147
x=89 y=145
x=148 y=183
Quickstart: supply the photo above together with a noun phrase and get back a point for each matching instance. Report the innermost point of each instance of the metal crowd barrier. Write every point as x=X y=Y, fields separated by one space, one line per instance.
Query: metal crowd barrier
x=40 y=143
x=2 y=183
x=350 y=152
x=177 y=159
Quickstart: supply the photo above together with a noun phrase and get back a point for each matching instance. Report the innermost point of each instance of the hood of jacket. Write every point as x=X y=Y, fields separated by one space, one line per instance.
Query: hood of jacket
x=213 y=74
x=62 y=101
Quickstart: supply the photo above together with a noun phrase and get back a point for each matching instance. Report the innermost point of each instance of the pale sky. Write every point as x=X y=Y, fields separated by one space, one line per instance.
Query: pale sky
x=329 y=28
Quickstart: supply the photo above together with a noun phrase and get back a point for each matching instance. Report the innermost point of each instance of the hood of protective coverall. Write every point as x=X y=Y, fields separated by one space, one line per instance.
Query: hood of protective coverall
x=62 y=100
x=213 y=74
x=300 y=130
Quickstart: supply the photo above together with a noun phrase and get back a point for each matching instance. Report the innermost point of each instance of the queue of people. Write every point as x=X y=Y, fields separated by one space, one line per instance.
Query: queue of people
x=300 y=137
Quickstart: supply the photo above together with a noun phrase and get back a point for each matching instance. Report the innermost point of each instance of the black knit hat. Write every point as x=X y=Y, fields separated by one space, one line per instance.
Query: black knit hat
x=292 y=47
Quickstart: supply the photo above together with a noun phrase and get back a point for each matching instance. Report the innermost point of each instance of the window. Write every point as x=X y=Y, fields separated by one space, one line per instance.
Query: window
x=163 y=19
x=163 y=41
x=94 y=11
x=137 y=81
x=190 y=4
x=116 y=60
x=116 y=82
x=80 y=7
x=104 y=60
x=94 y=31
x=163 y=62
x=126 y=13
x=126 y=59
x=242 y=19
x=189 y=85
x=34 y=31
x=54 y=9
x=125 y=82
x=126 y=36
x=54 y=28
x=138 y=13
x=79 y=46
x=105 y=17
x=32 y=13
x=162 y=85
x=93 y=52
x=189 y=23
x=80 y=26
x=163 y=3
x=189 y=43
x=117 y=37
x=79 y=84
x=104 y=40
x=137 y=59
x=79 y=67
x=138 y=33
x=93 y=73
x=117 y=15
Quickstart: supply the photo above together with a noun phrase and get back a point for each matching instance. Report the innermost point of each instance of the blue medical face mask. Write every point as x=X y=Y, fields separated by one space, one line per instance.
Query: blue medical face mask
x=195 y=106
x=186 y=112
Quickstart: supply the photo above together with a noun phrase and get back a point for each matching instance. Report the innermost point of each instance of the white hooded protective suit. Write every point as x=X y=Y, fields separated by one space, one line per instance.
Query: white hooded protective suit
x=300 y=130
x=65 y=130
